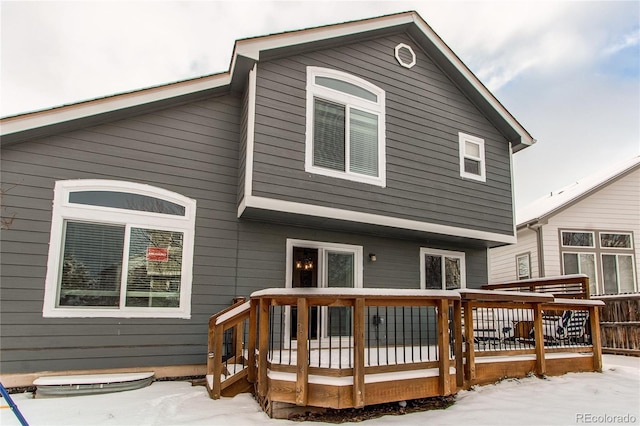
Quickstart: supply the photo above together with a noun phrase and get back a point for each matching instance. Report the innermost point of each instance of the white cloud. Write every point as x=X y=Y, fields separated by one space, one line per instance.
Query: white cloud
x=628 y=40
x=553 y=64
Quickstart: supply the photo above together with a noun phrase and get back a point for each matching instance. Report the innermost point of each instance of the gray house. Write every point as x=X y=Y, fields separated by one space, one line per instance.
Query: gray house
x=363 y=154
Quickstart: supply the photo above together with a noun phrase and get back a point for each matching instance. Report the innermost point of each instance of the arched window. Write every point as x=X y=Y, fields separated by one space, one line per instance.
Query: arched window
x=119 y=249
x=345 y=127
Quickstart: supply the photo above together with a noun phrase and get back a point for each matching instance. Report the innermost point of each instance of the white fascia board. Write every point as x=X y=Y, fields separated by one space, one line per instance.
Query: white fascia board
x=263 y=203
x=113 y=103
x=252 y=47
x=471 y=78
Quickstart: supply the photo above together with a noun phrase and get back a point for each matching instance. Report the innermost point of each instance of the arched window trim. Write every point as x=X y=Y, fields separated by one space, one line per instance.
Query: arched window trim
x=332 y=95
x=63 y=211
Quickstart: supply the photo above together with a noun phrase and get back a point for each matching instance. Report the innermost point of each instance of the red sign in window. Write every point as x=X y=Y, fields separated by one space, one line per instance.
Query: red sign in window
x=157 y=254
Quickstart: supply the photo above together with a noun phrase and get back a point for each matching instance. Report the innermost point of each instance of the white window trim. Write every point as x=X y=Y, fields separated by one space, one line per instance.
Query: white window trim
x=377 y=108
x=63 y=210
x=409 y=64
x=578 y=253
x=528 y=257
x=444 y=253
x=579 y=231
x=462 y=138
x=615 y=248
x=617 y=256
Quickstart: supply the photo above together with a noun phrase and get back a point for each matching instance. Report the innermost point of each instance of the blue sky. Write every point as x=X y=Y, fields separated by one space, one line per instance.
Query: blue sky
x=568 y=71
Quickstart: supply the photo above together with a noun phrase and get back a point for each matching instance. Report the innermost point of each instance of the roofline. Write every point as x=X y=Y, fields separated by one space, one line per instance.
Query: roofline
x=527 y=139
x=251 y=49
x=42 y=118
x=570 y=202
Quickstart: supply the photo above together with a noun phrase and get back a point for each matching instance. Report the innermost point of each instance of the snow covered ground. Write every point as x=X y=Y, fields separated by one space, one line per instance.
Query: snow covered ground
x=610 y=397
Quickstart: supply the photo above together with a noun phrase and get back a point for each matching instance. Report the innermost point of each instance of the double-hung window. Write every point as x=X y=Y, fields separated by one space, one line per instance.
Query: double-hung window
x=472 y=161
x=442 y=269
x=345 y=127
x=119 y=249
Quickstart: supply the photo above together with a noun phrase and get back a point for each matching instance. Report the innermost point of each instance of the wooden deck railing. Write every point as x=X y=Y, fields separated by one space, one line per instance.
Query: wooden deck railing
x=344 y=348
x=343 y=362
x=512 y=334
x=567 y=286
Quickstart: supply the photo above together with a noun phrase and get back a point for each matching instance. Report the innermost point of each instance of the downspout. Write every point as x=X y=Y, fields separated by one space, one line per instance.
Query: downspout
x=537 y=228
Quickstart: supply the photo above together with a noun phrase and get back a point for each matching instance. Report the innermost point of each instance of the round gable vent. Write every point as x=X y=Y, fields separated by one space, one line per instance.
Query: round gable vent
x=405 y=55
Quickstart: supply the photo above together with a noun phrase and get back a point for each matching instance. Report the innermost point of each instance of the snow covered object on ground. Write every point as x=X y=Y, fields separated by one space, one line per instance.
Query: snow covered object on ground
x=575 y=398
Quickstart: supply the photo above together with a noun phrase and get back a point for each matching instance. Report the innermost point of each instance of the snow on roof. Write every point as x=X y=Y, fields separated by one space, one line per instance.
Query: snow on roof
x=556 y=200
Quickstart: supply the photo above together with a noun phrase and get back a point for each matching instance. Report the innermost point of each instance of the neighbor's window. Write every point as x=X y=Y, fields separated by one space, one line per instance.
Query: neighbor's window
x=581 y=263
x=442 y=269
x=345 y=127
x=523 y=262
x=577 y=239
x=119 y=249
x=606 y=257
x=472 y=161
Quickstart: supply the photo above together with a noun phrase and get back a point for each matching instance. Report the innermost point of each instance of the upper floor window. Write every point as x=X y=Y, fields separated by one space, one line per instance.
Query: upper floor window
x=472 y=162
x=119 y=249
x=345 y=127
x=442 y=269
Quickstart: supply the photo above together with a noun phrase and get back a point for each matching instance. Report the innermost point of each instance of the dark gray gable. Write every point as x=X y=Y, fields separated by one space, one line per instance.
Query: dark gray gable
x=425 y=110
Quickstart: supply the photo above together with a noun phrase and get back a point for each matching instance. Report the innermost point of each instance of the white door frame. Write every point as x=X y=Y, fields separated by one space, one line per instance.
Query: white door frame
x=322 y=248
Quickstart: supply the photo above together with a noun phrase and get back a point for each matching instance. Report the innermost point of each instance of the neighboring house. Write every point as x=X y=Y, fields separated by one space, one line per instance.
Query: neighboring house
x=591 y=227
x=363 y=154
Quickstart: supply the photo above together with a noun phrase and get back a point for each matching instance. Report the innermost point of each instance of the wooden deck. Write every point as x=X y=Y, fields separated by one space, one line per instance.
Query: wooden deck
x=346 y=348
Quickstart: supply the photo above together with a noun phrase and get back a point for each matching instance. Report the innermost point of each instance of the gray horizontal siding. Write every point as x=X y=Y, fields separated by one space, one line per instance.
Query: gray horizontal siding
x=424 y=113
x=191 y=149
x=262 y=257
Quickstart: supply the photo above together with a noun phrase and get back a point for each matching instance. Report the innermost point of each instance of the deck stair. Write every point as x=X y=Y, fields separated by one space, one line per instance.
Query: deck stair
x=307 y=348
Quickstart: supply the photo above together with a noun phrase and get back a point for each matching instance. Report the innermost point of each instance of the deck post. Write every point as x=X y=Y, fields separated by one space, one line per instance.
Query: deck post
x=470 y=366
x=218 y=333
x=251 y=344
x=541 y=367
x=358 y=352
x=596 y=342
x=302 y=370
x=210 y=346
x=443 y=346
x=263 y=346
x=457 y=324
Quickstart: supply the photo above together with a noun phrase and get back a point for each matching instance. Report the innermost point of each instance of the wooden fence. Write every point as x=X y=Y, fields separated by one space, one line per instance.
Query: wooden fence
x=620 y=324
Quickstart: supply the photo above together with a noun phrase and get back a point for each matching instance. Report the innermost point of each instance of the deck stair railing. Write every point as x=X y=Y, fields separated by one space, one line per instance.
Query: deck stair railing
x=228 y=359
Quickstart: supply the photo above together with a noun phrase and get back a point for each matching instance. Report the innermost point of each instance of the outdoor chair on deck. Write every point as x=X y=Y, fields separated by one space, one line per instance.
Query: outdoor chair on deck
x=570 y=327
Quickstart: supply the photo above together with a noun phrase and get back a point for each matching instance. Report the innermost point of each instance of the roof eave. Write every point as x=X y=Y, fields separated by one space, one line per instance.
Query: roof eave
x=248 y=51
x=37 y=122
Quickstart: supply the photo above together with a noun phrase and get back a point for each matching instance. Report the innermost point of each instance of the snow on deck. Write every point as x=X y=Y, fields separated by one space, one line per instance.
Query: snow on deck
x=240 y=309
x=368 y=378
x=343 y=358
x=364 y=292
